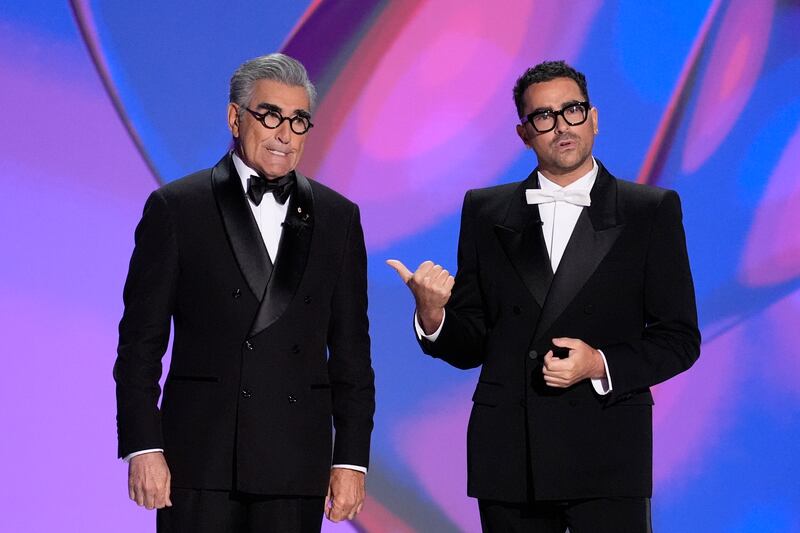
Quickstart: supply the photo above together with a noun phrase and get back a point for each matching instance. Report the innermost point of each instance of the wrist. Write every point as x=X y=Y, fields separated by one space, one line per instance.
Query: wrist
x=599 y=365
x=430 y=319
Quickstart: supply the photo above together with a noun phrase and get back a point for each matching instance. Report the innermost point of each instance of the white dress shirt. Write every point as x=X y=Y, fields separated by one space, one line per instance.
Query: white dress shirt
x=558 y=222
x=269 y=216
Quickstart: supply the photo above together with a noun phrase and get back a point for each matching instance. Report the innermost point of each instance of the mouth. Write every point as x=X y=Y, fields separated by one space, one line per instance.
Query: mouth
x=277 y=152
x=565 y=144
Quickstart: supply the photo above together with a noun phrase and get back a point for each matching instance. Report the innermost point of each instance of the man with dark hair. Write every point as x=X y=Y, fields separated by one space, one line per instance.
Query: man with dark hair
x=574 y=295
x=263 y=273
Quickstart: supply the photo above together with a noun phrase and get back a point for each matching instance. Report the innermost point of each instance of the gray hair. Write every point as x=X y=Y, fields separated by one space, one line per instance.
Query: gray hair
x=277 y=67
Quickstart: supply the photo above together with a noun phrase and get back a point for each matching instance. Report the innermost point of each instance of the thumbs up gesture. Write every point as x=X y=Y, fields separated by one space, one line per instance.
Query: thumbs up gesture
x=431 y=286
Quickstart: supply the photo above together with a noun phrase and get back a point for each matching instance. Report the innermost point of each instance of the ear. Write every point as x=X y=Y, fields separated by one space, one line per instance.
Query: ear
x=233 y=119
x=593 y=114
x=522 y=131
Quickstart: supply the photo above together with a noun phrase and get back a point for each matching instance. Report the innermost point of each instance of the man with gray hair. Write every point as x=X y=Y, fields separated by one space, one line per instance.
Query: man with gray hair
x=263 y=273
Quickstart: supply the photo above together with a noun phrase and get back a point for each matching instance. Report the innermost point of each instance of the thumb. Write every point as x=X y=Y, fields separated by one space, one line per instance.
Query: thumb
x=566 y=342
x=327 y=507
x=401 y=269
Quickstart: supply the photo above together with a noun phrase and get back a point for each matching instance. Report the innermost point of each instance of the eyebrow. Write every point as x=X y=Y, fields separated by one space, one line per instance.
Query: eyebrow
x=564 y=105
x=269 y=107
x=272 y=107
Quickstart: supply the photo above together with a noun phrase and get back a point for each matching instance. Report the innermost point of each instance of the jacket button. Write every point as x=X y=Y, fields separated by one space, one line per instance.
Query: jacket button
x=237 y=293
x=292 y=399
x=307 y=299
x=517 y=309
x=533 y=354
x=246 y=393
x=249 y=345
x=295 y=349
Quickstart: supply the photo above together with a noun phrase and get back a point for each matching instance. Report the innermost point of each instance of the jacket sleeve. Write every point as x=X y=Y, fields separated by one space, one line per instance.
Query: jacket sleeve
x=461 y=341
x=670 y=342
x=349 y=364
x=149 y=297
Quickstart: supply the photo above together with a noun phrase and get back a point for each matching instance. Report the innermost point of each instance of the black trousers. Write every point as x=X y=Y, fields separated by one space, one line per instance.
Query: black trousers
x=595 y=515
x=215 y=511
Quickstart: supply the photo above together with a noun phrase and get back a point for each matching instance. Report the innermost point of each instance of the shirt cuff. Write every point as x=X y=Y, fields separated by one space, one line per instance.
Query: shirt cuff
x=130 y=456
x=361 y=469
x=602 y=386
x=433 y=336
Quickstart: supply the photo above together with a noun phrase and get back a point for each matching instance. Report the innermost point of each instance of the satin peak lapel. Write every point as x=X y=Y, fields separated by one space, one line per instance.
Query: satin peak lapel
x=293 y=252
x=243 y=234
x=522 y=240
x=595 y=233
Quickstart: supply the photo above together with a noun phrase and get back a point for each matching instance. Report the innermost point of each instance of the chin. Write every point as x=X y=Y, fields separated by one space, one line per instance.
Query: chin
x=276 y=171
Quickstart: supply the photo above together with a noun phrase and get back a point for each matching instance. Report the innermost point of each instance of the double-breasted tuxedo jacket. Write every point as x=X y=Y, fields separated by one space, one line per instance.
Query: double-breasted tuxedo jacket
x=264 y=358
x=623 y=286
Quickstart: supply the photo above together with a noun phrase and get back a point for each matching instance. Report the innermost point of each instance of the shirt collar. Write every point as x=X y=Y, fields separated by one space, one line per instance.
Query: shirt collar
x=242 y=169
x=584 y=182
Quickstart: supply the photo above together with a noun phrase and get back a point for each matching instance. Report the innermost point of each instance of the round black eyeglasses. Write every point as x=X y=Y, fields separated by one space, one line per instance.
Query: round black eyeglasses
x=574 y=114
x=272 y=119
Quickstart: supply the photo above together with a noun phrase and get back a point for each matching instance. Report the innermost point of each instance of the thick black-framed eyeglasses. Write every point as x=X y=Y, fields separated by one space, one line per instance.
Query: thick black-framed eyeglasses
x=573 y=114
x=271 y=119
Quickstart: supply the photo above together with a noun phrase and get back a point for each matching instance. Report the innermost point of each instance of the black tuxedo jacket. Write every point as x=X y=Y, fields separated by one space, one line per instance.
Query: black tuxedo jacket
x=623 y=286
x=263 y=358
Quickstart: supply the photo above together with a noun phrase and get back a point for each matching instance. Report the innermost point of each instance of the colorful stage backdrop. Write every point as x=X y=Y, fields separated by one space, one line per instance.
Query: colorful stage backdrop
x=102 y=101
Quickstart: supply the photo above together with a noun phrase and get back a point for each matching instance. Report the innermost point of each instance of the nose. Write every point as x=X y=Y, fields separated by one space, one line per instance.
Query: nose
x=284 y=132
x=561 y=124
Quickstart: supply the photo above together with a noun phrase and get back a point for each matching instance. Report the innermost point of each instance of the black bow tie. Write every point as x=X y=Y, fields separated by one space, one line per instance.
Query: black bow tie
x=281 y=188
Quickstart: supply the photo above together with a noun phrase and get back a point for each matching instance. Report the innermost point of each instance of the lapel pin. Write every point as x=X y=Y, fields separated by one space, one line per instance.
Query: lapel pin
x=299 y=209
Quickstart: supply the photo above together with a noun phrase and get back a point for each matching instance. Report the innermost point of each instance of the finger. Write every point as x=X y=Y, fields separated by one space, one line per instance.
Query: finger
x=402 y=270
x=566 y=342
x=138 y=494
x=168 y=496
x=355 y=511
x=441 y=279
x=149 y=499
x=449 y=283
x=338 y=514
x=429 y=279
x=423 y=270
x=340 y=509
x=152 y=495
x=328 y=504
x=549 y=359
x=555 y=364
x=556 y=375
x=131 y=491
x=556 y=382
x=559 y=369
x=162 y=496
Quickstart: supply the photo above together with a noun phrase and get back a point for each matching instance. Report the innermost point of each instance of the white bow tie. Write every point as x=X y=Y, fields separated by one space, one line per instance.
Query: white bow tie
x=578 y=197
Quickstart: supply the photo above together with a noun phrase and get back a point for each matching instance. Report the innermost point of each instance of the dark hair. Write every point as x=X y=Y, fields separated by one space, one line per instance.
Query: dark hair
x=546 y=71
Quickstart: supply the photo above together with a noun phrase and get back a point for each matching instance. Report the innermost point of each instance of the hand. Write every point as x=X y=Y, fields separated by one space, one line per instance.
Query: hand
x=346 y=493
x=584 y=362
x=431 y=286
x=149 y=480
